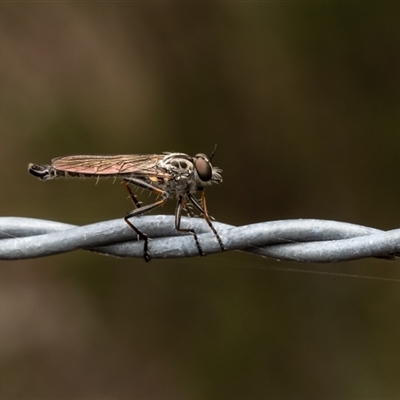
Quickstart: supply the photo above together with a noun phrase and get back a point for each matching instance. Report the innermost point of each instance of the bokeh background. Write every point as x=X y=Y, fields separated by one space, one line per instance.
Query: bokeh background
x=303 y=101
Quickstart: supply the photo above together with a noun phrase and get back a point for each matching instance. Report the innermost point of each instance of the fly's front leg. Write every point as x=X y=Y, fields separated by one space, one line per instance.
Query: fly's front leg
x=188 y=209
x=178 y=214
x=140 y=210
x=207 y=216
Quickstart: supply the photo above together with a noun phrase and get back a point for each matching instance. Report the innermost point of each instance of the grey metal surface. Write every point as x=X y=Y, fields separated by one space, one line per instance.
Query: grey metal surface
x=307 y=240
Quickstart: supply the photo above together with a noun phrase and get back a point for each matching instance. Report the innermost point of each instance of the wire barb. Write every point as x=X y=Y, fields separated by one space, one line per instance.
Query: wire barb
x=304 y=240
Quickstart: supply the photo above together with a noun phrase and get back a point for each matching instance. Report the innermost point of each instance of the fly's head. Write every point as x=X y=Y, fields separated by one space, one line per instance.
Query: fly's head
x=205 y=173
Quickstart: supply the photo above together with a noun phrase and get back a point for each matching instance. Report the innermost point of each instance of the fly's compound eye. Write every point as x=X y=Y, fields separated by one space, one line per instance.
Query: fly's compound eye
x=203 y=167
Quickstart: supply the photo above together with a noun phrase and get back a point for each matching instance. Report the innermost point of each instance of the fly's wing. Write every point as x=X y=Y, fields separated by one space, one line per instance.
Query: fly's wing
x=134 y=164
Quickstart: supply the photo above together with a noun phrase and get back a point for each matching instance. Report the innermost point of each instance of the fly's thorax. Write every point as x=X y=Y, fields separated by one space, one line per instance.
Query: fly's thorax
x=189 y=172
x=181 y=169
x=178 y=165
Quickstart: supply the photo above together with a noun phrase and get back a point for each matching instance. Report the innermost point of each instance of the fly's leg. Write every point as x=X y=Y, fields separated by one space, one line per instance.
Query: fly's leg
x=140 y=210
x=189 y=212
x=178 y=214
x=142 y=235
x=188 y=209
x=204 y=211
x=134 y=199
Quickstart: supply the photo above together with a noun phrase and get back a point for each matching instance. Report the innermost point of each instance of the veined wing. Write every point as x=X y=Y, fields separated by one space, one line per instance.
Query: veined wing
x=133 y=164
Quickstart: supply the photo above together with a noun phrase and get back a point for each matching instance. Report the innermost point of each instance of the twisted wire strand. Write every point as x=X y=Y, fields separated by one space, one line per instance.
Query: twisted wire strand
x=308 y=240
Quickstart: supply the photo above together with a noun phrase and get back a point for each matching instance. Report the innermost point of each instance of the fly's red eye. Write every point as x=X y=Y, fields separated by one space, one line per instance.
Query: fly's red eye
x=203 y=167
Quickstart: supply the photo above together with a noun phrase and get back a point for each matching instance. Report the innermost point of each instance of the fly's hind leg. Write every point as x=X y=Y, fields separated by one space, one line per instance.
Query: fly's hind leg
x=140 y=210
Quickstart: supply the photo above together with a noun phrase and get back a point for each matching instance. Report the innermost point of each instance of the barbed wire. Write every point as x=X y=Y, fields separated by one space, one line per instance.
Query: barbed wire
x=302 y=240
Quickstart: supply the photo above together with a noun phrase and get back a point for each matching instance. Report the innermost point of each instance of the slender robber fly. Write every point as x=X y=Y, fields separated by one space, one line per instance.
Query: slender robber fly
x=168 y=175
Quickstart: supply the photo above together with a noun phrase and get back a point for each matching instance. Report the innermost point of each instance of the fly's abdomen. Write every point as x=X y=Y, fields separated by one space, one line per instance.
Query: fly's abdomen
x=42 y=172
x=46 y=172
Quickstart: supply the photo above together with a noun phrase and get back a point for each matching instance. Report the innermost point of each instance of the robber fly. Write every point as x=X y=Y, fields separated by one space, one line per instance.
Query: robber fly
x=168 y=175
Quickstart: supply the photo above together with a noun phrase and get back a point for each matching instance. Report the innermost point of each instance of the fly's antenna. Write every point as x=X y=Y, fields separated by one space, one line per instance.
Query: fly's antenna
x=213 y=152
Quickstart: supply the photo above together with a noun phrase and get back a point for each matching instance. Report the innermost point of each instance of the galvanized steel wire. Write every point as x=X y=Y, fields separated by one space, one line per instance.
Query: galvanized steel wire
x=302 y=240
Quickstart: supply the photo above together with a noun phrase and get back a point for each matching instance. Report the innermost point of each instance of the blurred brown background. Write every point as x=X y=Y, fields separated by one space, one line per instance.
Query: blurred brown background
x=303 y=101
